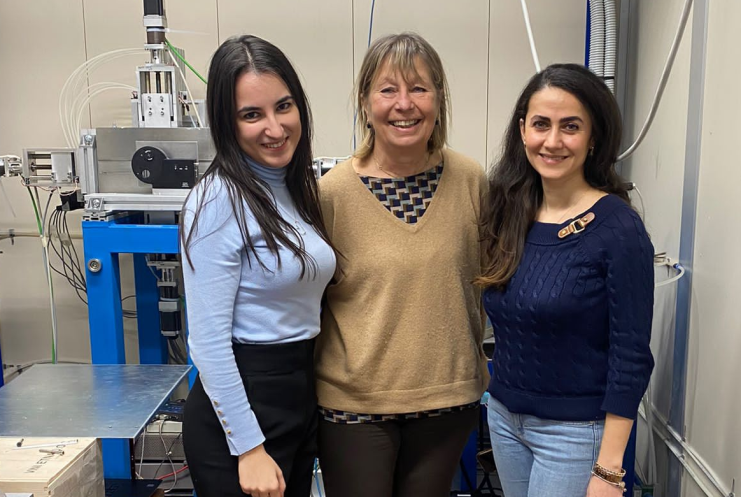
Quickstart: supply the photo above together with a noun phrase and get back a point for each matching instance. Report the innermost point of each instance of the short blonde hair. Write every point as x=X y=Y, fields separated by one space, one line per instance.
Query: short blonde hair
x=401 y=52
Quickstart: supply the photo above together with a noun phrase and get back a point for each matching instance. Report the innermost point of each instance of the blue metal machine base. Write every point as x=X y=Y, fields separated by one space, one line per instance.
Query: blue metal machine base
x=103 y=241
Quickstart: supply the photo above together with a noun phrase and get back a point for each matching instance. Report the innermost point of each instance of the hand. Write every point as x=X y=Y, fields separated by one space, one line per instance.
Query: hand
x=259 y=475
x=600 y=488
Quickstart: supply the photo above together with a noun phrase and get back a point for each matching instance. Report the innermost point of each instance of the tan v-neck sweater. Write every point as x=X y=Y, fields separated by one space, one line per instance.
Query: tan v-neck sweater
x=402 y=328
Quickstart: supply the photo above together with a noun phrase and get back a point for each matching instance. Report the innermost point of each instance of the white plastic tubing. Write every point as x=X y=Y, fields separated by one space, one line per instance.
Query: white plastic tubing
x=597 y=37
x=603 y=40
x=610 y=43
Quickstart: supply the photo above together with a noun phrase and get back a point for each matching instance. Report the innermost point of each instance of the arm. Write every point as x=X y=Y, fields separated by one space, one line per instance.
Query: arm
x=612 y=450
x=614 y=441
x=211 y=288
x=630 y=289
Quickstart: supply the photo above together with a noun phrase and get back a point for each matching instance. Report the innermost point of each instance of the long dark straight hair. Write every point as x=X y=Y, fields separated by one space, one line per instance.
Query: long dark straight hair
x=235 y=57
x=515 y=188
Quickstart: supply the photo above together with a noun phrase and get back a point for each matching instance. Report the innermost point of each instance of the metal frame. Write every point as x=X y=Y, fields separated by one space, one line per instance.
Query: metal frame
x=103 y=241
x=693 y=149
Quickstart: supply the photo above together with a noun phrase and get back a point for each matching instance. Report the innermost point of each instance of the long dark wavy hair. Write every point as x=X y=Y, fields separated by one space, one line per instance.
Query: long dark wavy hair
x=515 y=188
x=235 y=57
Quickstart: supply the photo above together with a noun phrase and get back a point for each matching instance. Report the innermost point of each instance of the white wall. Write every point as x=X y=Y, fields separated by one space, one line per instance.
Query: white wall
x=713 y=396
x=483 y=46
x=714 y=369
x=657 y=168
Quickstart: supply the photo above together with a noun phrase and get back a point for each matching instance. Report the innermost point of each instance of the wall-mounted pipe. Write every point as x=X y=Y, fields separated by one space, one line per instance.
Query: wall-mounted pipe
x=597 y=37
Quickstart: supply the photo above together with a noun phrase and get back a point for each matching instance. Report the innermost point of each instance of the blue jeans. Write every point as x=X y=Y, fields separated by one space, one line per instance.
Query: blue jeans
x=538 y=457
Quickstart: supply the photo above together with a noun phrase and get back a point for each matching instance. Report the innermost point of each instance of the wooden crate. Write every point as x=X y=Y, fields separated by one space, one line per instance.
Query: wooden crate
x=77 y=473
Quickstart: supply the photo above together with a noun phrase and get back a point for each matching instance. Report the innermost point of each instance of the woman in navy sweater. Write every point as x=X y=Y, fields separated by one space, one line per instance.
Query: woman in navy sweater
x=569 y=291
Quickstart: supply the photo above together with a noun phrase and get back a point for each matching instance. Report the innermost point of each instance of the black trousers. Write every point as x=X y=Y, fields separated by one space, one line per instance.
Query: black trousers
x=279 y=381
x=409 y=458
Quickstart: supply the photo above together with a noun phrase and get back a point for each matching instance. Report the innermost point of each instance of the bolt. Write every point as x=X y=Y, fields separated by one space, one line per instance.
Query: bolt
x=88 y=139
x=97 y=203
x=94 y=265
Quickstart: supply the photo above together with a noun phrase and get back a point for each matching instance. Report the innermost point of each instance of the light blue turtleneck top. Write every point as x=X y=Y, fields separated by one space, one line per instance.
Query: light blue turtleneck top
x=231 y=298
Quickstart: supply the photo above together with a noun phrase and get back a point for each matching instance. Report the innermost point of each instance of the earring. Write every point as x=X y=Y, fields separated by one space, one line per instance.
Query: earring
x=591 y=150
x=524 y=143
x=368 y=125
x=437 y=122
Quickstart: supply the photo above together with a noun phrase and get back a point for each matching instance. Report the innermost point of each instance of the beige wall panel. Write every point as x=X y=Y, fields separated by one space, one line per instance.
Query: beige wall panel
x=714 y=396
x=559 y=29
x=458 y=31
x=316 y=35
x=41 y=43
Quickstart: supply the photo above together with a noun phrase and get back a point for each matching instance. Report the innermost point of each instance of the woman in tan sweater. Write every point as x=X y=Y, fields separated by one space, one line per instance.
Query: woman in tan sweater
x=400 y=367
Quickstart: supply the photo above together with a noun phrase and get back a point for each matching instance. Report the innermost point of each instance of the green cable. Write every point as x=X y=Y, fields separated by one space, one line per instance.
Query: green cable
x=177 y=54
x=38 y=218
x=51 y=288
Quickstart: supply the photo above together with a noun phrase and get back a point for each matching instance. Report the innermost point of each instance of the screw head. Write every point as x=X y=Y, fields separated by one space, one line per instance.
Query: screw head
x=88 y=139
x=97 y=203
x=94 y=265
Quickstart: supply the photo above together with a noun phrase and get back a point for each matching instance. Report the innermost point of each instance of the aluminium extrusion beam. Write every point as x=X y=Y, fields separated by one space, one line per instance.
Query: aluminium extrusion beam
x=103 y=241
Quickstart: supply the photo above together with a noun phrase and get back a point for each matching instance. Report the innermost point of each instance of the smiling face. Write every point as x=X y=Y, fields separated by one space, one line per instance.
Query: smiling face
x=268 y=121
x=557 y=134
x=402 y=110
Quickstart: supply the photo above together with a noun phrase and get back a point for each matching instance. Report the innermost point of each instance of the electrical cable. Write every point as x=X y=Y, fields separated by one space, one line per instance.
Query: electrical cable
x=167 y=454
x=141 y=458
x=94 y=94
x=640 y=197
x=370 y=37
x=680 y=272
x=36 y=211
x=370 y=26
x=75 y=83
x=7 y=199
x=184 y=468
x=529 y=28
x=316 y=477
x=187 y=87
x=47 y=268
x=47 y=264
x=172 y=50
x=662 y=82
x=74 y=277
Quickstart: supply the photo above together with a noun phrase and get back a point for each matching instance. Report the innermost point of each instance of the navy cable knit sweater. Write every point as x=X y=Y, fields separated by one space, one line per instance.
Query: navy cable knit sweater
x=573 y=326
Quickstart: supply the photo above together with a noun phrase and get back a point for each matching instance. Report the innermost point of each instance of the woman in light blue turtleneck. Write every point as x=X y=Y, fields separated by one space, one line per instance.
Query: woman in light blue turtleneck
x=257 y=260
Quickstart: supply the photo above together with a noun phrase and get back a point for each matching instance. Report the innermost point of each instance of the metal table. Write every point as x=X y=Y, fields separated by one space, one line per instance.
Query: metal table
x=101 y=401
